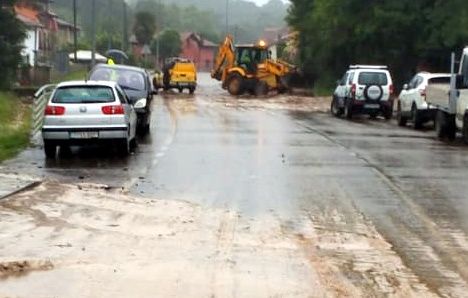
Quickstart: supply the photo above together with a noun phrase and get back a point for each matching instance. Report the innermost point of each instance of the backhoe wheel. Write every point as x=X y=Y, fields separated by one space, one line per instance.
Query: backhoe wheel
x=261 y=89
x=235 y=84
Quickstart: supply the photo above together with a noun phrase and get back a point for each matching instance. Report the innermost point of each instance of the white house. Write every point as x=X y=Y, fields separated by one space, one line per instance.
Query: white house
x=33 y=34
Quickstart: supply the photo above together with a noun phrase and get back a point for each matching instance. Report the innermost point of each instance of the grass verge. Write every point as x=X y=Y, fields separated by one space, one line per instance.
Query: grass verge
x=15 y=124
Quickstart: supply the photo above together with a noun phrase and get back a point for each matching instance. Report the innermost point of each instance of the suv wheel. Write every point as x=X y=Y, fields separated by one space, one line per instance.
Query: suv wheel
x=388 y=113
x=373 y=92
x=402 y=120
x=416 y=118
x=348 y=110
x=335 y=109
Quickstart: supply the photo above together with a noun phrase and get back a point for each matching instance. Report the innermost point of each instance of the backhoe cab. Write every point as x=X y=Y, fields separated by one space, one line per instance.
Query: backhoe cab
x=249 y=68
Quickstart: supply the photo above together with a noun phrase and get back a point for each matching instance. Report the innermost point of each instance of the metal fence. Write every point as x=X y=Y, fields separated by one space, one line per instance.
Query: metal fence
x=41 y=97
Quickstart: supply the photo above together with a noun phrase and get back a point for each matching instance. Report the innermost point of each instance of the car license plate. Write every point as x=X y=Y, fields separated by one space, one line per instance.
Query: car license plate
x=84 y=135
x=372 y=106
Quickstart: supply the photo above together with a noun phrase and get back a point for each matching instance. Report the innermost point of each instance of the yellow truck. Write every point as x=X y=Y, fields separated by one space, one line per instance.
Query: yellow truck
x=180 y=73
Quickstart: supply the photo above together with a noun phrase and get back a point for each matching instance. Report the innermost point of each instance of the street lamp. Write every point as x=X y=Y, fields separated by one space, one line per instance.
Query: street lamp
x=75 y=38
x=93 y=33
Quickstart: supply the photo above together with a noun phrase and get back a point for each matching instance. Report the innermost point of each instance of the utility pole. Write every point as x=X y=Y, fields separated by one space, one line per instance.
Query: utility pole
x=75 y=37
x=227 y=17
x=93 y=33
x=158 y=29
x=124 y=29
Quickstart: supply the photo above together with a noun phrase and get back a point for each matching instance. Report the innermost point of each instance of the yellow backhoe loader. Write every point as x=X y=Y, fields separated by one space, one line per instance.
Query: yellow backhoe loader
x=249 y=68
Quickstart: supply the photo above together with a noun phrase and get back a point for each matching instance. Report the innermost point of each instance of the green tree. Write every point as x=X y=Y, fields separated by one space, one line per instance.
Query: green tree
x=144 y=27
x=169 y=44
x=12 y=34
x=404 y=34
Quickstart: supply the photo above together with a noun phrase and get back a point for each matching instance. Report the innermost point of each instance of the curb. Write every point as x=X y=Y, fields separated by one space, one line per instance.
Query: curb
x=29 y=186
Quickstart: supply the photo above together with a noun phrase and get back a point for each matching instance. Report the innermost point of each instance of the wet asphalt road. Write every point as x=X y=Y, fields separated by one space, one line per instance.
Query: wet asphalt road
x=243 y=155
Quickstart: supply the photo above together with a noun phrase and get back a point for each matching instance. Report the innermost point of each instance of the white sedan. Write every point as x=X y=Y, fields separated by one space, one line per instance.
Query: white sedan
x=85 y=112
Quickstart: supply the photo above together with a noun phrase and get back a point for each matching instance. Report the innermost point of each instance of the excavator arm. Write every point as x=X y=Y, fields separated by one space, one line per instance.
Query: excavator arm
x=225 y=59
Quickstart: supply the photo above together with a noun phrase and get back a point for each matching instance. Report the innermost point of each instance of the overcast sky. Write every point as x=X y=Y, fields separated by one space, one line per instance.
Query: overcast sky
x=261 y=2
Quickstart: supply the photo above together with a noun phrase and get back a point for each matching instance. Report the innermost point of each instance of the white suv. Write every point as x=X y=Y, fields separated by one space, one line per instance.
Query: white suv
x=364 y=89
x=412 y=103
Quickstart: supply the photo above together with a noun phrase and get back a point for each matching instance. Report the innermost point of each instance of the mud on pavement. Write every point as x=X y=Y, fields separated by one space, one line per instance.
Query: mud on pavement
x=62 y=240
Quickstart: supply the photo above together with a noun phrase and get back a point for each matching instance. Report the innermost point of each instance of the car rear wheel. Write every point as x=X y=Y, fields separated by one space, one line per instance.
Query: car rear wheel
x=123 y=147
x=416 y=118
x=192 y=90
x=50 y=149
x=445 y=126
x=465 y=129
x=402 y=120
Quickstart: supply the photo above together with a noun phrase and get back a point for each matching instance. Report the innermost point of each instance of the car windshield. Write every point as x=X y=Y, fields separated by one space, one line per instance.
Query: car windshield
x=127 y=79
x=83 y=94
x=373 y=78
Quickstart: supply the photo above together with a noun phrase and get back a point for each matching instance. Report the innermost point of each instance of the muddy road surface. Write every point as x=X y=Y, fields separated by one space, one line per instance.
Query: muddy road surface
x=242 y=198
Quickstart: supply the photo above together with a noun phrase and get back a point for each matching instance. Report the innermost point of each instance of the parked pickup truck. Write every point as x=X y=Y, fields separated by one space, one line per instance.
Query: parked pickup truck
x=451 y=102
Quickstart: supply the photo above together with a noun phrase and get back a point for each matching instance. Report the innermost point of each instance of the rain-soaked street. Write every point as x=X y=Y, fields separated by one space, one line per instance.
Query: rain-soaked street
x=242 y=198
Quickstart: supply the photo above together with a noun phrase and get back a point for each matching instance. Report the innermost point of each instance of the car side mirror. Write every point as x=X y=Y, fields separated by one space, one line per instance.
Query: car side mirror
x=405 y=87
x=140 y=104
x=460 y=82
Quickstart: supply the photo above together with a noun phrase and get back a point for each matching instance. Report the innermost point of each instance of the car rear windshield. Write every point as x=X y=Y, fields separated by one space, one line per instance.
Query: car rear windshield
x=373 y=78
x=83 y=94
x=440 y=80
x=127 y=79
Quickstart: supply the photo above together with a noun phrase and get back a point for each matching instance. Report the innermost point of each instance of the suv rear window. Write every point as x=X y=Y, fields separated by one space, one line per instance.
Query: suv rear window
x=373 y=78
x=443 y=80
x=84 y=94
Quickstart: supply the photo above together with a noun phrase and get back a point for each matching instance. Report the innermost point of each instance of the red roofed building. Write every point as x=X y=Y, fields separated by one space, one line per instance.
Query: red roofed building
x=199 y=50
x=46 y=32
x=35 y=34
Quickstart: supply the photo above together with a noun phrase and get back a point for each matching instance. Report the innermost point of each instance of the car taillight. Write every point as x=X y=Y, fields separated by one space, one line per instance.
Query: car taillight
x=113 y=110
x=54 y=110
x=353 y=90
x=391 y=89
x=423 y=93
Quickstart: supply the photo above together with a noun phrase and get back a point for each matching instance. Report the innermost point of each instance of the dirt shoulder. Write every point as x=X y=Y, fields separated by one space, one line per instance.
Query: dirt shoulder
x=88 y=241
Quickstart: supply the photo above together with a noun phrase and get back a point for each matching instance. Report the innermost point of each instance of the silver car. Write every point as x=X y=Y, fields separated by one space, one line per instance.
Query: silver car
x=89 y=112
